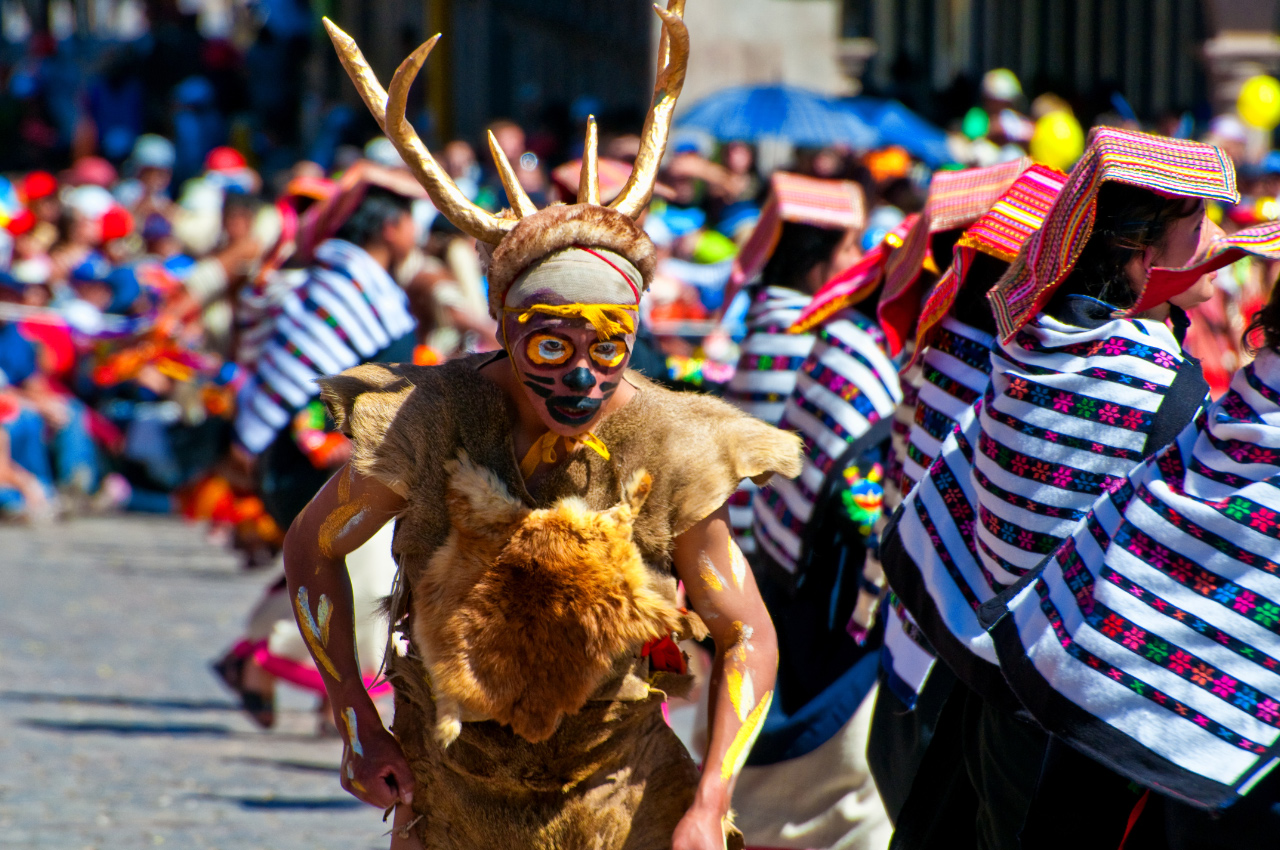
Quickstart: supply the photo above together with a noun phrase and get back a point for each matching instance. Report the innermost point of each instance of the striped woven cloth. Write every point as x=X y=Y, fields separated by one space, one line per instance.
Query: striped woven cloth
x=851 y=286
x=1066 y=416
x=1151 y=640
x=829 y=204
x=847 y=383
x=956 y=200
x=956 y=355
x=1170 y=166
x=1000 y=232
x=345 y=312
x=956 y=370
x=906 y=657
x=767 y=366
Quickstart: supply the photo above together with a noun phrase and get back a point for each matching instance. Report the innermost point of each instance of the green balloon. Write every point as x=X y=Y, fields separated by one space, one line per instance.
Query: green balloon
x=714 y=247
x=976 y=123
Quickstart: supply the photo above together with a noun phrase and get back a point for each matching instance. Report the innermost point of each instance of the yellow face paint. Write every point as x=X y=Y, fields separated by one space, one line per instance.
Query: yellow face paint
x=736 y=757
x=608 y=353
x=709 y=574
x=311 y=633
x=548 y=350
x=737 y=564
x=340 y=521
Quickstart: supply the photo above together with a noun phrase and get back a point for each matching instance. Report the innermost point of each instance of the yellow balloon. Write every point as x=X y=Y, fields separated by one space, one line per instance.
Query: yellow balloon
x=1259 y=103
x=1058 y=140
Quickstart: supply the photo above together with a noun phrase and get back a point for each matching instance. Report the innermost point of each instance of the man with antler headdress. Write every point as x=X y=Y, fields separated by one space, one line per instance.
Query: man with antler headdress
x=546 y=501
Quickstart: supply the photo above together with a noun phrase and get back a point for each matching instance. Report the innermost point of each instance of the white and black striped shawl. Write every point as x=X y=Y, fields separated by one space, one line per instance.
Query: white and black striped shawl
x=767 y=367
x=1151 y=640
x=1069 y=412
x=955 y=371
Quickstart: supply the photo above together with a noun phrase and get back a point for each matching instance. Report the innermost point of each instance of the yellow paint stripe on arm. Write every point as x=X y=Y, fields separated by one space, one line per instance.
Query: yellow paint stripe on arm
x=736 y=757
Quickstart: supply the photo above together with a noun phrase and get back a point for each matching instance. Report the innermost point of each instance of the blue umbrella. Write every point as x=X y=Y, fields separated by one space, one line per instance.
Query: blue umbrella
x=803 y=117
x=895 y=124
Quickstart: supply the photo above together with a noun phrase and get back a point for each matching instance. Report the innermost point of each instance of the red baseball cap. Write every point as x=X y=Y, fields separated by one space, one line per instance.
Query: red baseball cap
x=91 y=171
x=23 y=222
x=38 y=184
x=224 y=159
x=116 y=223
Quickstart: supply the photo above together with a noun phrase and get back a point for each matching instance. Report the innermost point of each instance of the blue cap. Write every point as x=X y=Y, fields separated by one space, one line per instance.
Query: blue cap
x=880 y=222
x=125 y=289
x=94 y=269
x=156 y=227
x=682 y=220
x=737 y=216
x=179 y=265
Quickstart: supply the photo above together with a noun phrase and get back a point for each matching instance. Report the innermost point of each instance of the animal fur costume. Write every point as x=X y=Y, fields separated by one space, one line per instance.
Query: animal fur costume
x=612 y=774
x=526 y=705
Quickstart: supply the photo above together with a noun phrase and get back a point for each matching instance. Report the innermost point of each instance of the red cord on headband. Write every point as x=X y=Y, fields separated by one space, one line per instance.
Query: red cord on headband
x=613 y=266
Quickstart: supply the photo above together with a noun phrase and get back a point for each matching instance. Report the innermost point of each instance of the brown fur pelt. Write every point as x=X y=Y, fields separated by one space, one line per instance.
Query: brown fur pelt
x=521 y=615
x=614 y=777
x=559 y=227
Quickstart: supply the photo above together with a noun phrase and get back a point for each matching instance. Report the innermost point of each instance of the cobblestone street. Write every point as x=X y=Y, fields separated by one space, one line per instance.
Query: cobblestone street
x=114 y=733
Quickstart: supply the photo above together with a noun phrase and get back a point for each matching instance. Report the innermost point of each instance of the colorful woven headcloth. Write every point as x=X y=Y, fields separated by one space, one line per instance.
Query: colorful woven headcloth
x=854 y=284
x=832 y=204
x=1000 y=232
x=1168 y=166
x=1261 y=241
x=956 y=199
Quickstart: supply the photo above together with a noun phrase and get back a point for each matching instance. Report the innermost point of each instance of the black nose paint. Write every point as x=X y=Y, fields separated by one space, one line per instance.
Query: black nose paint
x=579 y=379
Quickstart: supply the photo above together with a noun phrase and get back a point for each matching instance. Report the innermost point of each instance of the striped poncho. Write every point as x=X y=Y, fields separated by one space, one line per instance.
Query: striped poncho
x=1151 y=640
x=956 y=369
x=1069 y=412
x=345 y=312
x=765 y=377
x=845 y=385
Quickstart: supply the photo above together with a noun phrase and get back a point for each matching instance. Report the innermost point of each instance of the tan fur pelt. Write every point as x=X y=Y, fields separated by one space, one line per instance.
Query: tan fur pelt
x=521 y=614
x=563 y=226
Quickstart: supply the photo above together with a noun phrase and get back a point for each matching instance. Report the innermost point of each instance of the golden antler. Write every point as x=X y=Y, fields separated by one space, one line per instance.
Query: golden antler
x=673 y=59
x=589 y=177
x=519 y=199
x=388 y=110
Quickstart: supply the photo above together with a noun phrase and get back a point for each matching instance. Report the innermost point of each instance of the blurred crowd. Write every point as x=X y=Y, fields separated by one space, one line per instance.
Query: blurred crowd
x=144 y=274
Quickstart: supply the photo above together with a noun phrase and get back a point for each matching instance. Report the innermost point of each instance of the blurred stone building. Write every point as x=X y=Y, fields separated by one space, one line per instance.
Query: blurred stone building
x=521 y=58
x=507 y=56
x=1162 y=55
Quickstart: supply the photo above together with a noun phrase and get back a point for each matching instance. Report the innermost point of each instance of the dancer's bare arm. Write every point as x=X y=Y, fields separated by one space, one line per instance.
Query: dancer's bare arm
x=345 y=514
x=723 y=591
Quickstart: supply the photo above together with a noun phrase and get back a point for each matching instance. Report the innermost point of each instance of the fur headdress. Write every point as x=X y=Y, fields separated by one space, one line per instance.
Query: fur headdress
x=524 y=235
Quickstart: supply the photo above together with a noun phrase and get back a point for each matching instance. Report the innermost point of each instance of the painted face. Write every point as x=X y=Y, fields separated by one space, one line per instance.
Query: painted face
x=568 y=372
